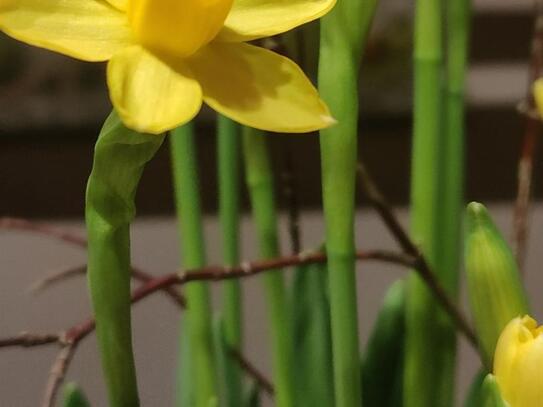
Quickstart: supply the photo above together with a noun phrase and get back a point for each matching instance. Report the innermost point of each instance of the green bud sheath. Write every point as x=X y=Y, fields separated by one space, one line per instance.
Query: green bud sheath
x=73 y=396
x=490 y=393
x=495 y=289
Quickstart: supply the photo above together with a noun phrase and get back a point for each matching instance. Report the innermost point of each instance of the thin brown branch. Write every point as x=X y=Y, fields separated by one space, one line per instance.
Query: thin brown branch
x=421 y=266
x=28 y=340
x=73 y=336
x=532 y=132
x=211 y=273
x=76 y=334
x=57 y=277
x=137 y=274
x=260 y=379
x=58 y=374
x=43 y=229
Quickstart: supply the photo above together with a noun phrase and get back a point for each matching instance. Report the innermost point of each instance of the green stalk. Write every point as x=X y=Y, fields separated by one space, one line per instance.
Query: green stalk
x=458 y=19
x=259 y=179
x=343 y=34
x=312 y=339
x=119 y=159
x=452 y=181
x=197 y=294
x=437 y=185
x=228 y=143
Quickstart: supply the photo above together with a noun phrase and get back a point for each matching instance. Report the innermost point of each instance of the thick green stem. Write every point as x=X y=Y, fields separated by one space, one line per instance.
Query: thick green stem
x=119 y=159
x=259 y=178
x=437 y=196
x=190 y=228
x=228 y=144
x=343 y=33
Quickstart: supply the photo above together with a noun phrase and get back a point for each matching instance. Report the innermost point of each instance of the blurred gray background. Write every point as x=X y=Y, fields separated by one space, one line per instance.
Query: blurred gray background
x=51 y=109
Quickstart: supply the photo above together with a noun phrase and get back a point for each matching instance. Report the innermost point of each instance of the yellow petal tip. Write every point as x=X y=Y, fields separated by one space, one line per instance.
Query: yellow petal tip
x=538 y=95
x=328 y=120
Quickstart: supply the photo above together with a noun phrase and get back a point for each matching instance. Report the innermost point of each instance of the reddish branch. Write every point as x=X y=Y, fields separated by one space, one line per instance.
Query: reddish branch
x=420 y=264
x=43 y=229
x=73 y=336
x=529 y=145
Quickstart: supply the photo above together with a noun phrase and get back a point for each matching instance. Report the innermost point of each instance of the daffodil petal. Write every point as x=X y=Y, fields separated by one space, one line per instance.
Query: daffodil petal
x=148 y=95
x=91 y=30
x=258 y=88
x=252 y=19
x=119 y=4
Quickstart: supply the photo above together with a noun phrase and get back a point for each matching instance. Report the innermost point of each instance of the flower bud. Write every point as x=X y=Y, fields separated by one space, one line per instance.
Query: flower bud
x=518 y=362
x=490 y=394
x=495 y=289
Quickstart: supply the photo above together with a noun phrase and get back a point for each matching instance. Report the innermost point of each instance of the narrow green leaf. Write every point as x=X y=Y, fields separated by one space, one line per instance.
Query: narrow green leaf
x=382 y=366
x=119 y=160
x=259 y=178
x=199 y=311
x=74 y=396
x=312 y=337
x=228 y=157
x=252 y=397
x=184 y=389
x=474 y=397
x=227 y=365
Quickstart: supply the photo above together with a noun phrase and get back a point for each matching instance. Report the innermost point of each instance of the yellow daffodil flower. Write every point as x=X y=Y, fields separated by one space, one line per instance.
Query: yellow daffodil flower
x=166 y=56
x=518 y=363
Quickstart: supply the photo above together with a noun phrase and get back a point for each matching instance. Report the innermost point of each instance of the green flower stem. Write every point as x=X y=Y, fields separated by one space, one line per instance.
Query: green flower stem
x=119 y=159
x=437 y=183
x=198 y=300
x=458 y=19
x=228 y=144
x=458 y=13
x=343 y=34
x=312 y=338
x=259 y=179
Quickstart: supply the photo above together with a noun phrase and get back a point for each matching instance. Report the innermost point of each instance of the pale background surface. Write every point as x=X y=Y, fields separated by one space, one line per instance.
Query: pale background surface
x=25 y=258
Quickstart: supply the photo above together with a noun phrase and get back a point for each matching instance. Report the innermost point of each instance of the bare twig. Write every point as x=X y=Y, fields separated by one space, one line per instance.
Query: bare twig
x=73 y=336
x=137 y=274
x=28 y=340
x=211 y=273
x=43 y=229
x=260 y=379
x=57 y=277
x=529 y=144
x=421 y=266
x=57 y=374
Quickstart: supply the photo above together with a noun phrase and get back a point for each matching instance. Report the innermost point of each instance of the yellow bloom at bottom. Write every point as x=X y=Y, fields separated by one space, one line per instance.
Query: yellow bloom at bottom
x=518 y=363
